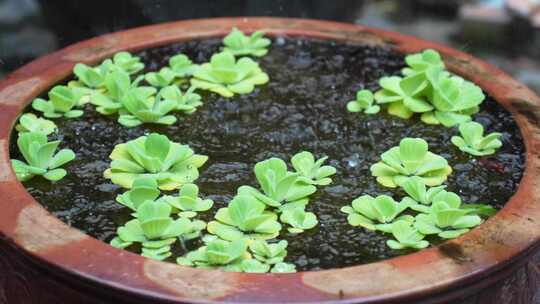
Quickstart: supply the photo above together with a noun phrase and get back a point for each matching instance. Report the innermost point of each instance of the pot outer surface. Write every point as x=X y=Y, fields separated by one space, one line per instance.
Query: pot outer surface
x=501 y=242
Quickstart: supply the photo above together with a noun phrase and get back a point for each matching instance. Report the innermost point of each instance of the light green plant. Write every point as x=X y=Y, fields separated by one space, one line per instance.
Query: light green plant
x=244 y=218
x=116 y=84
x=91 y=77
x=411 y=158
x=269 y=253
x=187 y=102
x=279 y=186
x=298 y=219
x=226 y=76
x=446 y=218
x=254 y=266
x=170 y=164
x=188 y=202
x=364 y=102
x=418 y=193
x=406 y=236
x=473 y=141
x=311 y=171
x=483 y=210
x=160 y=79
x=194 y=231
x=182 y=66
x=138 y=108
x=454 y=99
x=29 y=122
x=369 y=212
x=127 y=62
x=40 y=157
x=405 y=96
x=239 y=44
x=144 y=189
x=154 y=229
x=283 y=267
x=421 y=62
x=217 y=253
x=62 y=101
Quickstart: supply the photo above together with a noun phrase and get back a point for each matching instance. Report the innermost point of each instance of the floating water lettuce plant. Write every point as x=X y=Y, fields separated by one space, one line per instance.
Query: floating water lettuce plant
x=127 y=62
x=367 y=211
x=217 y=253
x=411 y=158
x=40 y=157
x=427 y=88
x=187 y=102
x=160 y=79
x=454 y=99
x=91 y=77
x=283 y=267
x=182 y=66
x=298 y=219
x=421 y=62
x=311 y=171
x=446 y=218
x=364 y=102
x=279 y=186
x=404 y=95
x=144 y=189
x=154 y=229
x=226 y=76
x=62 y=101
x=239 y=44
x=188 y=202
x=406 y=236
x=29 y=122
x=244 y=217
x=117 y=83
x=139 y=109
x=474 y=142
x=418 y=193
x=170 y=164
x=269 y=253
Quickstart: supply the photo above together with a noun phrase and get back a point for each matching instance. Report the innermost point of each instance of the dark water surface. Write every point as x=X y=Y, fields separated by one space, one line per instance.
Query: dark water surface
x=301 y=108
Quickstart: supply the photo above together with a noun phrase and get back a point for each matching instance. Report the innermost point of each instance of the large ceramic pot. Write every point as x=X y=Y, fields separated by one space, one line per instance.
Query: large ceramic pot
x=45 y=261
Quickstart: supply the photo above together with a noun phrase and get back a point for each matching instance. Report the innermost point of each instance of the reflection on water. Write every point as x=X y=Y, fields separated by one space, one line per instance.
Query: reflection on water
x=31 y=28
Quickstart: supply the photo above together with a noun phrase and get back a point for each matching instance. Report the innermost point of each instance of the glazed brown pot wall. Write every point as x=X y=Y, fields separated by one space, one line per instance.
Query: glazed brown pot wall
x=455 y=268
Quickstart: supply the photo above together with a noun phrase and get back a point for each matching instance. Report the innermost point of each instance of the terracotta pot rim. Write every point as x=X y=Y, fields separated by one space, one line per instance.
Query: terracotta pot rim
x=499 y=242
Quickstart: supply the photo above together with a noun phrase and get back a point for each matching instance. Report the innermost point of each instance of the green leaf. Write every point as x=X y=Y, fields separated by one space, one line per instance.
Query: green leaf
x=406 y=236
x=62 y=100
x=168 y=163
x=364 y=102
x=239 y=44
x=29 y=122
x=313 y=171
x=254 y=266
x=299 y=219
x=226 y=76
x=382 y=209
x=40 y=157
x=411 y=158
x=283 y=268
x=473 y=142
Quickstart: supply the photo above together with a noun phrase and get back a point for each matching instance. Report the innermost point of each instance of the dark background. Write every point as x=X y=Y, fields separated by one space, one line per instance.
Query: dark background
x=485 y=28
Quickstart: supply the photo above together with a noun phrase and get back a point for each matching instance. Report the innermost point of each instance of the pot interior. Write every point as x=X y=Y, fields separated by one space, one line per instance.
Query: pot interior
x=301 y=108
